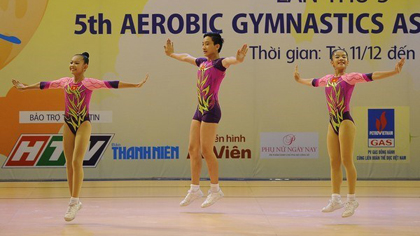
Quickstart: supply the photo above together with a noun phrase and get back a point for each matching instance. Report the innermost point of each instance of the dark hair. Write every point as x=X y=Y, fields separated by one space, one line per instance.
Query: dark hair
x=338 y=49
x=85 y=57
x=216 y=37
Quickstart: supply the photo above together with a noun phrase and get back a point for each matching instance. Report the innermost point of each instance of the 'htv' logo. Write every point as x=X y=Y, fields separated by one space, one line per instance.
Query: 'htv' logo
x=46 y=150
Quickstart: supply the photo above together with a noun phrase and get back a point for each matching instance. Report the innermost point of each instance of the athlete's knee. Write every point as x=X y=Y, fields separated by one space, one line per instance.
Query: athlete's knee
x=347 y=162
x=335 y=163
x=193 y=150
x=77 y=163
x=69 y=167
x=68 y=154
x=207 y=151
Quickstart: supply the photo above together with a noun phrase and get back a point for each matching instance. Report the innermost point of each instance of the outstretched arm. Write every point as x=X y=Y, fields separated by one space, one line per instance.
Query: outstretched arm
x=384 y=74
x=240 y=57
x=300 y=80
x=23 y=87
x=122 y=84
x=169 y=51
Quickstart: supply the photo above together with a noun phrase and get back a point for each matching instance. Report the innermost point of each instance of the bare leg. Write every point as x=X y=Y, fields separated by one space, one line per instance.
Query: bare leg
x=347 y=134
x=68 y=146
x=207 y=139
x=80 y=148
x=194 y=151
x=333 y=146
x=196 y=163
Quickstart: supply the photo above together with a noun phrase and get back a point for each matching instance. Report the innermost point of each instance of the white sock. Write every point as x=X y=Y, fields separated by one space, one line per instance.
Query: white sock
x=336 y=197
x=74 y=200
x=194 y=188
x=351 y=197
x=214 y=188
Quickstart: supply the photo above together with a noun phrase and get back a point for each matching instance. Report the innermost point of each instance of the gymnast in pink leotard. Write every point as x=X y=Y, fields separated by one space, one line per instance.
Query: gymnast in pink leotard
x=341 y=131
x=76 y=134
x=211 y=71
x=338 y=92
x=209 y=77
x=77 y=97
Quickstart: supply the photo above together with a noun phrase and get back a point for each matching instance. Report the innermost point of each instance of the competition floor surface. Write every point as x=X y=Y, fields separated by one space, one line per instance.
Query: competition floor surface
x=260 y=208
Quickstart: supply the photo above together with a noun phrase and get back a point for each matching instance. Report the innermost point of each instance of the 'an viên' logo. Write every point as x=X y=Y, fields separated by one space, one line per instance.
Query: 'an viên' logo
x=46 y=150
x=381 y=127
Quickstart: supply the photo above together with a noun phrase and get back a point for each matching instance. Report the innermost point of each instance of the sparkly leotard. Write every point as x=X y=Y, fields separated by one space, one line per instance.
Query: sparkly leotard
x=338 y=92
x=77 y=97
x=209 y=77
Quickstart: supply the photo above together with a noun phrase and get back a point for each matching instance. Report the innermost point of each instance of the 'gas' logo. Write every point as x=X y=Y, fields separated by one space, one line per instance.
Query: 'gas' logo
x=381 y=128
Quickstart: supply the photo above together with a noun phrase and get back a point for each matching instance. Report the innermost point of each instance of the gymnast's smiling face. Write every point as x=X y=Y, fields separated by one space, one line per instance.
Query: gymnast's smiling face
x=77 y=65
x=339 y=60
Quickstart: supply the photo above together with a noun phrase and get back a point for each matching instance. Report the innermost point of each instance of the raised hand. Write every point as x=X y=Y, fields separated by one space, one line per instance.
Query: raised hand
x=240 y=55
x=18 y=84
x=169 y=47
x=143 y=82
x=296 y=74
x=399 y=65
